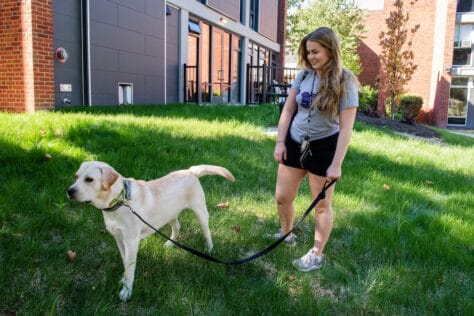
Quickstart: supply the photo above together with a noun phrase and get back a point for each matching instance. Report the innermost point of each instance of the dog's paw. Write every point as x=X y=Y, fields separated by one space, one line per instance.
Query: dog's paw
x=125 y=293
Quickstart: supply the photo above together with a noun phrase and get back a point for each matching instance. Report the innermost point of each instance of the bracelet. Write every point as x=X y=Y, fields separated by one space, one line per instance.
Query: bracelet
x=280 y=141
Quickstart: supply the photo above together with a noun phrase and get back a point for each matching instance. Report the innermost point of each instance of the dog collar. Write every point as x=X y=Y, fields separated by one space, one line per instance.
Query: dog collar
x=120 y=200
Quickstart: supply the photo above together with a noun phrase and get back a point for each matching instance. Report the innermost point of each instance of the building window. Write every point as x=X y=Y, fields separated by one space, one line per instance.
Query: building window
x=125 y=93
x=462 y=57
x=254 y=11
x=463 y=35
x=464 y=6
x=194 y=27
x=458 y=101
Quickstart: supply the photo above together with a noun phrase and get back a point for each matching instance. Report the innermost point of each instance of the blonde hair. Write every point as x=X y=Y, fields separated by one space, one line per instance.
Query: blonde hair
x=332 y=76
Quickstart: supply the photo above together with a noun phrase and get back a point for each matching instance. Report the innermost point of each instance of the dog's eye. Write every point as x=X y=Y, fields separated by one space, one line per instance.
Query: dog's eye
x=88 y=179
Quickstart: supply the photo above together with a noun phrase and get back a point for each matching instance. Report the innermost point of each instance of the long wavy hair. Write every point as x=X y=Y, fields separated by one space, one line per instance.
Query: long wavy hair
x=332 y=76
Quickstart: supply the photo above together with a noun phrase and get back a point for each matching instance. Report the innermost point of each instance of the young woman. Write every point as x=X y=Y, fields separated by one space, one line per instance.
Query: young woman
x=314 y=143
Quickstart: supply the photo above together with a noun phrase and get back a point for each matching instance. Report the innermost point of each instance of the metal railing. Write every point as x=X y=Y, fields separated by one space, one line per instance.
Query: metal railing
x=191 y=83
x=268 y=84
x=265 y=84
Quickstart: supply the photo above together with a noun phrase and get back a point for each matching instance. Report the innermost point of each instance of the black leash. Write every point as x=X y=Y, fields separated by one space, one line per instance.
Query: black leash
x=320 y=196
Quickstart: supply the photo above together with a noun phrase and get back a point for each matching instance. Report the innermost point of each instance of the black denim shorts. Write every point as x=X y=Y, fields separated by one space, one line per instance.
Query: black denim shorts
x=322 y=150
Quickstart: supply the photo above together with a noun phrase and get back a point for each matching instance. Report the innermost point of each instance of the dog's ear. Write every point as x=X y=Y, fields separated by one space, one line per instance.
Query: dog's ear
x=109 y=176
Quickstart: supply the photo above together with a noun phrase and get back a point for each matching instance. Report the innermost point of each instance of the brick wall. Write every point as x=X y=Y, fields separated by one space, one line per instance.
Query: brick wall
x=43 y=53
x=432 y=47
x=26 y=55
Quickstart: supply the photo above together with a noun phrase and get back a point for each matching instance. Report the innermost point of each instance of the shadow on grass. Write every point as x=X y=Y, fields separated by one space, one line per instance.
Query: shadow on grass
x=402 y=227
x=407 y=222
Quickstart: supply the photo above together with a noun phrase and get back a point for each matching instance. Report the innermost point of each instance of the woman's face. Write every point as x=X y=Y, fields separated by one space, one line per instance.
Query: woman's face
x=317 y=55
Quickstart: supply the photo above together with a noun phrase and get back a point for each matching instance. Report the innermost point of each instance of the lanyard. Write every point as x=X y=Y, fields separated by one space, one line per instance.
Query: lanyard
x=306 y=137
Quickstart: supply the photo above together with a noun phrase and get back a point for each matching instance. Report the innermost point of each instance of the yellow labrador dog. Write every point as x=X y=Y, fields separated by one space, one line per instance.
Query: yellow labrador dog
x=159 y=202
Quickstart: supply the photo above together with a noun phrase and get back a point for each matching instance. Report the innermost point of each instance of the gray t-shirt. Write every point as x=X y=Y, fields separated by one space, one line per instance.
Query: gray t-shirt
x=321 y=123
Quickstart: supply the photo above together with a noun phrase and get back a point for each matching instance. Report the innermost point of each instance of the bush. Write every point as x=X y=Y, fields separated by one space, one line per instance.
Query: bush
x=409 y=107
x=368 y=99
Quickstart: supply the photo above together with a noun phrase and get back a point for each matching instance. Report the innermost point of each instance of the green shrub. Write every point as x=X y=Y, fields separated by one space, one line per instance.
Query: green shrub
x=368 y=98
x=409 y=107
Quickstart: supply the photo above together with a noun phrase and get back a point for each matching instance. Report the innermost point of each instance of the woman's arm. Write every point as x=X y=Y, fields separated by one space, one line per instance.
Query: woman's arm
x=346 y=124
x=285 y=118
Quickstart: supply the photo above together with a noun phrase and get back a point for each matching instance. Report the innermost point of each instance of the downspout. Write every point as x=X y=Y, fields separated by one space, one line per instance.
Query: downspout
x=166 y=59
x=86 y=53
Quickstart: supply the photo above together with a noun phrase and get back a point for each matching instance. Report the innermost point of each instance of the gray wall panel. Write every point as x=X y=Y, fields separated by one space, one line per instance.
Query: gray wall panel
x=155 y=8
x=138 y=5
x=112 y=37
x=230 y=8
x=153 y=26
x=104 y=11
x=130 y=50
x=105 y=59
x=269 y=18
x=154 y=89
x=154 y=47
x=172 y=52
x=67 y=34
x=131 y=20
x=139 y=64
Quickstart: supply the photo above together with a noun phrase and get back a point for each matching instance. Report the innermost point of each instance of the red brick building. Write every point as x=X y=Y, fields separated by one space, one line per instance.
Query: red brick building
x=433 y=46
x=26 y=63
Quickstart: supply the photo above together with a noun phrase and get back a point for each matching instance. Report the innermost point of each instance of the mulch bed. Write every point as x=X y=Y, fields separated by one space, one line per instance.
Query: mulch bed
x=412 y=129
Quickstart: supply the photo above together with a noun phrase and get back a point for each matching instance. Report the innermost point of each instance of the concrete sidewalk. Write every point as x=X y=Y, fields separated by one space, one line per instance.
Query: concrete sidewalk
x=463 y=132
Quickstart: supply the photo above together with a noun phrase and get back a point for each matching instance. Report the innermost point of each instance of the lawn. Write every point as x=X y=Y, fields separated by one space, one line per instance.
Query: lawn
x=403 y=238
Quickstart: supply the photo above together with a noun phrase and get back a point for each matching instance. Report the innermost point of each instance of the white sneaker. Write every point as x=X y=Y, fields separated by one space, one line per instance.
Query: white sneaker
x=310 y=261
x=289 y=240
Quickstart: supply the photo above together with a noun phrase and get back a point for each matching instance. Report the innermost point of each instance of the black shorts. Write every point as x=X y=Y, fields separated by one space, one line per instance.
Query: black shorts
x=322 y=150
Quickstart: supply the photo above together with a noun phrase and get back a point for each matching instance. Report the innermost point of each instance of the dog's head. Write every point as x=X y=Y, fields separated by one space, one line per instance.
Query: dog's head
x=96 y=183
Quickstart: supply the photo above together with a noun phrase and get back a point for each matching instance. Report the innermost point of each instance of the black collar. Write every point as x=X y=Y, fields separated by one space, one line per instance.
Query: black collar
x=120 y=200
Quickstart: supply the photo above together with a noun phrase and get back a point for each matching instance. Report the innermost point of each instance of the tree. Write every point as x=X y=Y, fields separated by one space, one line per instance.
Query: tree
x=343 y=16
x=397 y=54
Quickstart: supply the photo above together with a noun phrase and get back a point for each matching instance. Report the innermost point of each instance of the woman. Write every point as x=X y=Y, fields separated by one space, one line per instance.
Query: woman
x=314 y=143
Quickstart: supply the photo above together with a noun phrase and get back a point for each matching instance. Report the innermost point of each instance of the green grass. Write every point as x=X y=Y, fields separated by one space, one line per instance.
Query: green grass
x=406 y=250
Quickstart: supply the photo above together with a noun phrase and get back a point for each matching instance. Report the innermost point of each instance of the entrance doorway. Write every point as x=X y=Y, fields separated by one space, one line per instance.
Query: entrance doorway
x=212 y=72
x=220 y=66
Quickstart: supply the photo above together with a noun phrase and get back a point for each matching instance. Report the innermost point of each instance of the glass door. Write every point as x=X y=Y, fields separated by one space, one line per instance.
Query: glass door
x=458 y=100
x=220 y=66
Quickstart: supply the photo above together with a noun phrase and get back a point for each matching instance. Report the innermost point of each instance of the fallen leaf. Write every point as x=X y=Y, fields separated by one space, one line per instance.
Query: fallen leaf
x=47 y=156
x=43 y=132
x=223 y=204
x=237 y=229
x=428 y=182
x=72 y=255
x=386 y=187
x=291 y=278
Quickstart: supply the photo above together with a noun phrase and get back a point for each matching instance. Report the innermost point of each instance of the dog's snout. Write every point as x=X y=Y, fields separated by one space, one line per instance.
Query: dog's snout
x=71 y=191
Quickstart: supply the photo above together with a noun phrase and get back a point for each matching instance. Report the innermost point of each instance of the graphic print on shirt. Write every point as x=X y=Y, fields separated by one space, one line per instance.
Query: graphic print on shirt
x=307 y=99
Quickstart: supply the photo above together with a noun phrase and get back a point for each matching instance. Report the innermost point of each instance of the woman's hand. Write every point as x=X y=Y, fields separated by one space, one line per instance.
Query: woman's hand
x=280 y=152
x=333 y=172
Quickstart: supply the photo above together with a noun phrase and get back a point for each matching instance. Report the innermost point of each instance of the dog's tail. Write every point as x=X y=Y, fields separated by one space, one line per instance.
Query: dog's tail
x=207 y=170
